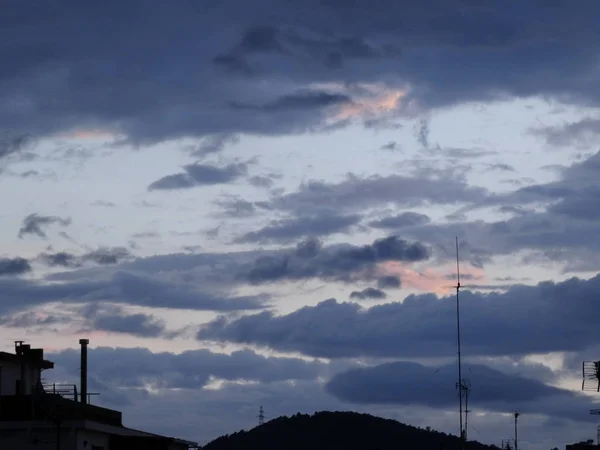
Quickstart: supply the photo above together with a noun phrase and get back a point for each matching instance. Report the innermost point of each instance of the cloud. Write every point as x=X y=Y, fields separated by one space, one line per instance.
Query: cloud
x=237 y=207
x=105 y=255
x=11 y=145
x=555 y=221
x=390 y=146
x=59 y=259
x=125 y=289
x=407 y=383
x=14 y=266
x=388 y=282
x=104 y=204
x=288 y=230
x=200 y=175
x=192 y=369
x=263 y=181
x=407 y=219
x=422 y=131
x=100 y=256
x=582 y=134
x=35 y=224
x=185 y=95
x=33 y=319
x=425 y=325
x=298 y=101
x=334 y=263
x=357 y=194
x=115 y=319
x=369 y=293
x=213 y=144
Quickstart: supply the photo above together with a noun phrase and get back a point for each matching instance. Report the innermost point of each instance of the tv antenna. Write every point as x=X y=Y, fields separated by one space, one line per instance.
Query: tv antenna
x=460 y=383
x=591 y=376
x=261 y=416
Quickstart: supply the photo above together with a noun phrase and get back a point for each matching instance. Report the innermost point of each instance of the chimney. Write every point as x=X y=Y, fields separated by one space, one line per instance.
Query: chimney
x=83 y=384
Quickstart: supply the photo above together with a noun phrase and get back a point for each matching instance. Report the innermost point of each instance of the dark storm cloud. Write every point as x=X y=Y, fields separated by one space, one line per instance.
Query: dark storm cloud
x=356 y=193
x=143 y=325
x=406 y=383
x=115 y=320
x=100 y=256
x=555 y=221
x=369 y=293
x=345 y=262
x=423 y=325
x=14 y=266
x=192 y=369
x=200 y=175
x=59 y=259
x=288 y=230
x=123 y=288
x=151 y=86
x=407 y=219
x=36 y=223
x=31 y=319
x=105 y=256
x=299 y=101
x=388 y=282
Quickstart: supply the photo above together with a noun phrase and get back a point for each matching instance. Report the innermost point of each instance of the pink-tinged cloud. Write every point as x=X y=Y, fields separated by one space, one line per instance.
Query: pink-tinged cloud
x=440 y=280
x=88 y=134
x=377 y=100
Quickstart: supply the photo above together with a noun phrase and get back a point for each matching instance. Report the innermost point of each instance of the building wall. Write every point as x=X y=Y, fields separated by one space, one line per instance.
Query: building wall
x=92 y=440
x=37 y=439
x=10 y=373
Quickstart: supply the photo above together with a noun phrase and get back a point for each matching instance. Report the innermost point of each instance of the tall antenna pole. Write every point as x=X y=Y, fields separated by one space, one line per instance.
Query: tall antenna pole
x=467 y=389
x=516 y=439
x=459 y=385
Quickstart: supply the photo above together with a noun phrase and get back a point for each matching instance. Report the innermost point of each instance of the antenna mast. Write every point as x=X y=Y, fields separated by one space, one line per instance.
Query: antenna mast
x=516 y=435
x=467 y=390
x=459 y=385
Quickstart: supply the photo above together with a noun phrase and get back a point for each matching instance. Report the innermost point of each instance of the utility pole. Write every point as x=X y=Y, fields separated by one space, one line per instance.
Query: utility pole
x=516 y=435
x=261 y=416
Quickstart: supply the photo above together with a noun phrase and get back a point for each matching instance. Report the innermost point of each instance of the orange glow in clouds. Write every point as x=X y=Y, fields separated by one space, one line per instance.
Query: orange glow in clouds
x=88 y=134
x=373 y=99
x=437 y=280
x=381 y=104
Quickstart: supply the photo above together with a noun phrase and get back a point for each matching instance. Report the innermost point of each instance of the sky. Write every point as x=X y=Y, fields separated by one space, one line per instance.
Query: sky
x=247 y=204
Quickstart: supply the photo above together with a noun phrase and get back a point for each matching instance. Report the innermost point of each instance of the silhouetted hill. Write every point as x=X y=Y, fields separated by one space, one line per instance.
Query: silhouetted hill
x=338 y=431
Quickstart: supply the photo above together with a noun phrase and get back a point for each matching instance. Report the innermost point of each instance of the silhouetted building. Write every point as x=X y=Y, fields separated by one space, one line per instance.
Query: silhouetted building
x=583 y=445
x=57 y=417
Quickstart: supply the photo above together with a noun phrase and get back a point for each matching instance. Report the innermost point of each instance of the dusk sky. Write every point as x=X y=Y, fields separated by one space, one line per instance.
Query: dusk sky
x=246 y=203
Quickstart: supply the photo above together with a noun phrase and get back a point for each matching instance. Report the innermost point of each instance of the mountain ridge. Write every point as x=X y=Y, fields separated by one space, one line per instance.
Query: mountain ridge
x=337 y=430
